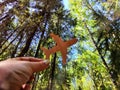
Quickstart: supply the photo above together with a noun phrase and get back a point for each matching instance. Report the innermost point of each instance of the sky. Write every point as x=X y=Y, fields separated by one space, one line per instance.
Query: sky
x=1 y=0
x=66 y=4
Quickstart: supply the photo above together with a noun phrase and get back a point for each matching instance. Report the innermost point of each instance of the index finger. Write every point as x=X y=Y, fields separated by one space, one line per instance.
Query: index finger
x=31 y=59
x=39 y=66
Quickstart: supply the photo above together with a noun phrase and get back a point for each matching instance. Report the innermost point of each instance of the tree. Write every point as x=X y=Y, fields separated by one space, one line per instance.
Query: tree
x=100 y=19
x=26 y=25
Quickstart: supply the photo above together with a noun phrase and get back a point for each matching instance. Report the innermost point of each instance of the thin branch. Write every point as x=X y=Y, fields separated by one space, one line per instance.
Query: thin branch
x=9 y=37
x=3 y=50
x=15 y=50
x=38 y=47
x=28 y=42
x=100 y=54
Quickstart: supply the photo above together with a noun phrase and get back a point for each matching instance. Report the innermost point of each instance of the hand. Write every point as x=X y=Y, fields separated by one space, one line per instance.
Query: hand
x=16 y=72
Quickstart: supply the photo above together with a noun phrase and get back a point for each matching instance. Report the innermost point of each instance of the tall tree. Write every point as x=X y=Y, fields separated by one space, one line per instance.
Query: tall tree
x=26 y=25
x=102 y=23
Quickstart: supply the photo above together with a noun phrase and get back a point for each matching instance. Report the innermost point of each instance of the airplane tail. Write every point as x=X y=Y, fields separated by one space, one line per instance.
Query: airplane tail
x=46 y=52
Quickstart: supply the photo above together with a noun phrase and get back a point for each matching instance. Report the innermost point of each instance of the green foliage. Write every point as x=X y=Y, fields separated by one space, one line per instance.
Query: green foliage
x=95 y=20
x=26 y=25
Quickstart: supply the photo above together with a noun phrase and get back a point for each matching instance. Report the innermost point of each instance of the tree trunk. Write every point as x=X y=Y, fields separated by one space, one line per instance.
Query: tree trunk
x=50 y=86
x=15 y=50
x=36 y=55
x=3 y=50
x=9 y=37
x=101 y=56
x=28 y=42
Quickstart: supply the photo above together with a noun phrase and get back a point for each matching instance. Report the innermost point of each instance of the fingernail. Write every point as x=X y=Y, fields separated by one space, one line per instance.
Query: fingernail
x=46 y=61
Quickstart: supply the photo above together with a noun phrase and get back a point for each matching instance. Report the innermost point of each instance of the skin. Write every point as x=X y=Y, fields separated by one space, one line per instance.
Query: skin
x=15 y=72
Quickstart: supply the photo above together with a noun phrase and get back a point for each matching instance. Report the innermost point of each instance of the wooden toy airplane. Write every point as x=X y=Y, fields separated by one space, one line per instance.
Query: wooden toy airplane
x=61 y=46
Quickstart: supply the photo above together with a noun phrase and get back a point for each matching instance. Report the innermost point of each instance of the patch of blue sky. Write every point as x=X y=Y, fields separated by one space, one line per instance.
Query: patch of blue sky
x=32 y=7
x=1 y=1
x=8 y=7
x=74 y=82
x=32 y=3
x=66 y=4
x=101 y=10
x=15 y=21
x=73 y=52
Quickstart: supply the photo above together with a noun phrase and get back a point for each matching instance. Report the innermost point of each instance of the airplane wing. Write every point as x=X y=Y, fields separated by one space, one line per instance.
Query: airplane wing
x=56 y=38
x=71 y=42
x=46 y=52
x=50 y=51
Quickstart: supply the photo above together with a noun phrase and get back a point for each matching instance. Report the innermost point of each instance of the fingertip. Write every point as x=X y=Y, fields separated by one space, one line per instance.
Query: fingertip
x=46 y=62
x=40 y=66
x=26 y=87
